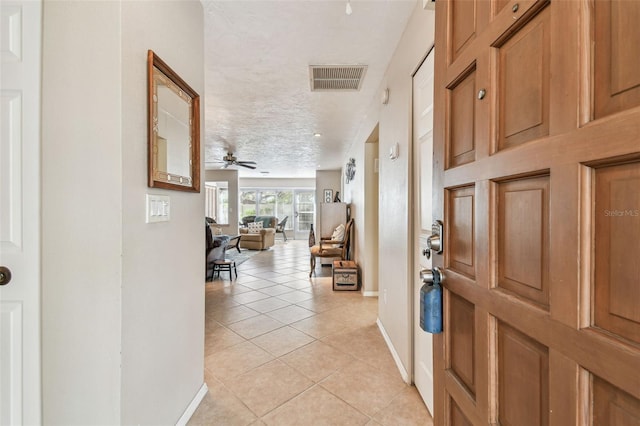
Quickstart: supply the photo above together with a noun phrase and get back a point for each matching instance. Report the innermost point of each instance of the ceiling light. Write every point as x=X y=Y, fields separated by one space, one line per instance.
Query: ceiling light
x=348 y=10
x=317 y=135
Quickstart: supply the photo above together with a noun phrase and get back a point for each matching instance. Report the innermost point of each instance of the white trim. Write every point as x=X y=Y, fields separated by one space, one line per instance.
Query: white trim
x=370 y=293
x=186 y=416
x=394 y=354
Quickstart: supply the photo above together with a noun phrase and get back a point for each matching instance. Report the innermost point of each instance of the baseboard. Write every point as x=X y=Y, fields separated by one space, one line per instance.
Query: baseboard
x=394 y=354
x=193 y=406
x=370 y=293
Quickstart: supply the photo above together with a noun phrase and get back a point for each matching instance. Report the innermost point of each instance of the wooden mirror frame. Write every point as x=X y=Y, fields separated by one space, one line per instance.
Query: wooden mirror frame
x=162 y=178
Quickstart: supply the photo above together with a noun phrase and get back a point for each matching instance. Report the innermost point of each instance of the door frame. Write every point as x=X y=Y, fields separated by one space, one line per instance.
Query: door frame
x=418 y=235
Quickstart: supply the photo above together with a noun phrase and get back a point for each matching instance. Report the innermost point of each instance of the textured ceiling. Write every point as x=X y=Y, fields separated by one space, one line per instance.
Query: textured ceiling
x=258 y=101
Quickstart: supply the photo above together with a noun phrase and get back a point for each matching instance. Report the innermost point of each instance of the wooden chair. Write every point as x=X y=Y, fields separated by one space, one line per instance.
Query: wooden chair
x=327 y=248
x=280 y=227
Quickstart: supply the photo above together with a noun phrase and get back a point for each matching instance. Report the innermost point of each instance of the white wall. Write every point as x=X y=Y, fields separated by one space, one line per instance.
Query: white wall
x=326 y=179
x=163 y=263
x=81 y=212
x=395 y=232
x=231 y=177
x=123 y=310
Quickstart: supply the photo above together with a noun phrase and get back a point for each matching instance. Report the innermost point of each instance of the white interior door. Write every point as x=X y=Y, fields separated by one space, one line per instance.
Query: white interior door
x=422 y=176
x=20 y=374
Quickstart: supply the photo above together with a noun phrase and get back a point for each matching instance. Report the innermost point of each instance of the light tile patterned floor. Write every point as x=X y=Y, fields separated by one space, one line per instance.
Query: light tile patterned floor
x=282 y=349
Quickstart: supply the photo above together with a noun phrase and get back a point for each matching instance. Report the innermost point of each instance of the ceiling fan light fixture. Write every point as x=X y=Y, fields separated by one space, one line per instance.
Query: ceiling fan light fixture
x=348 y=10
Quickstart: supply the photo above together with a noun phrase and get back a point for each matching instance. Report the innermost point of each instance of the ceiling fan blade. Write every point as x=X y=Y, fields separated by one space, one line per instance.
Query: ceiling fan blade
x=246 y=162
x=248 y=166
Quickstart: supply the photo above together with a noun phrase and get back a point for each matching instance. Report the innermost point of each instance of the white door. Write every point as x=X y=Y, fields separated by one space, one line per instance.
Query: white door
x=20 y=375
x=422 y=177
x=304 y=213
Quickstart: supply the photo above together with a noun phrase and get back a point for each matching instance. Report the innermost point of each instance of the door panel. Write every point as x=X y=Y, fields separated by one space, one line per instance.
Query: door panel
x=611 y=406
x=542 y=228
x=523 y=238
x=462 y=101
x=617 y=49
x=462 y=343
x=461 y=233
x=463 y=28
x=523 y=70
x=523 y=371
x=457 y=418
x=617 y=239
x=20 y=361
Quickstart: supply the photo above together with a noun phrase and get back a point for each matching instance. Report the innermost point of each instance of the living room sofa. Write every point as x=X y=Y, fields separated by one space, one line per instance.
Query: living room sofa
x=264 y=238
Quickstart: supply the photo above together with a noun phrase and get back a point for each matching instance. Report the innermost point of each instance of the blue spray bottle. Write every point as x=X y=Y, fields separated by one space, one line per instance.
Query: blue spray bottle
x=431 y=303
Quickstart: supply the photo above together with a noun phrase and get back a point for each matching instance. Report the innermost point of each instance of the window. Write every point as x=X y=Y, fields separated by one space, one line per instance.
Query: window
x=267 y=202
x=248 y=204
x=217 y=202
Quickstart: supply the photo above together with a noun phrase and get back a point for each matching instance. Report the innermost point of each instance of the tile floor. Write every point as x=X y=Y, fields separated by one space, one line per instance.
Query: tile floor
x=283 y=349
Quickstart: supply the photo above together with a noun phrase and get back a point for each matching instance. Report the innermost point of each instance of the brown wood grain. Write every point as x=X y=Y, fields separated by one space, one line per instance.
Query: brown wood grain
x=616 y=52
x=461 y=140
x=571 y=322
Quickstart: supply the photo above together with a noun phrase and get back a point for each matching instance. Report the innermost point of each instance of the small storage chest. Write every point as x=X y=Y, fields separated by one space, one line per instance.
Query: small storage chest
x=345 y=275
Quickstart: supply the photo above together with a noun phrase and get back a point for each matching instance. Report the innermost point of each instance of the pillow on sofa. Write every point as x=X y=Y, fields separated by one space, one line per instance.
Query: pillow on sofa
x=267 y=221
x=254 y=227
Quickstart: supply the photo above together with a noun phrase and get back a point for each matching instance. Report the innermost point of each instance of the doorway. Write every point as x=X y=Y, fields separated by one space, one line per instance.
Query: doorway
x=371 y=212
x=422 y=180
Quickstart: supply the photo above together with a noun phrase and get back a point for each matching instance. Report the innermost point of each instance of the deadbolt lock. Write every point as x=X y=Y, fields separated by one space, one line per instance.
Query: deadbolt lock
x=434 y=242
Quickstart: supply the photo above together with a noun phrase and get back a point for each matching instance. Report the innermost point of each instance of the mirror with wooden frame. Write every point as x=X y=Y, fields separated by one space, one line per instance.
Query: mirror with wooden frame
x=174 y=129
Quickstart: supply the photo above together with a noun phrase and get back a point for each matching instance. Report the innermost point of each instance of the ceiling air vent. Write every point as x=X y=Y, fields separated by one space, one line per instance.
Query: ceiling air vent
x=336 y=77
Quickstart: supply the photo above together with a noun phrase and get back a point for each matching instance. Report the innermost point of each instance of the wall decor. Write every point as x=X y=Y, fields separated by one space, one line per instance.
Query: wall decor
x=173 y=129
x=350 y=170
x=328 y=195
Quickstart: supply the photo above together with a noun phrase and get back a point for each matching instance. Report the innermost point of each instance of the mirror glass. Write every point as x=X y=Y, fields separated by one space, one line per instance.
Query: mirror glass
x=174 y=134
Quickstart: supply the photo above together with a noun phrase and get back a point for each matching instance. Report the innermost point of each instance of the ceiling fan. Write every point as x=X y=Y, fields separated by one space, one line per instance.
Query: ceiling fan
x=231 y=160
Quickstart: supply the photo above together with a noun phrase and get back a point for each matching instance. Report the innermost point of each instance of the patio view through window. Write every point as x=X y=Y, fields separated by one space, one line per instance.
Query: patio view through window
x=298 y=204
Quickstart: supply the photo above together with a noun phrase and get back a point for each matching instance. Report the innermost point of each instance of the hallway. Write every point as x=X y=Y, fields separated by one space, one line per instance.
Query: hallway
x=281 y=349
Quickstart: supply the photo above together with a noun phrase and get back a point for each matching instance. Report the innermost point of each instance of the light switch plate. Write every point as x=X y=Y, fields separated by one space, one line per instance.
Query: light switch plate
x=158 y=208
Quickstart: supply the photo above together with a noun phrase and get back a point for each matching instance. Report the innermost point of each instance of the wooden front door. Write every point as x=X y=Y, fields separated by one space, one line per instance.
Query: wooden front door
x=537 y=179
